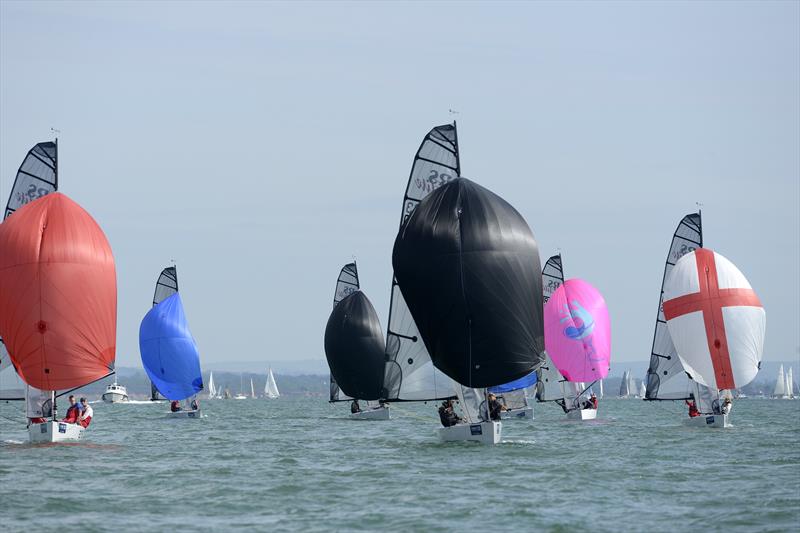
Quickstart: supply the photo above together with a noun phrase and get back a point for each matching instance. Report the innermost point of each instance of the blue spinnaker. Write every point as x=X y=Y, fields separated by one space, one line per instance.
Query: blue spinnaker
x=521 y=383
x=169 y=353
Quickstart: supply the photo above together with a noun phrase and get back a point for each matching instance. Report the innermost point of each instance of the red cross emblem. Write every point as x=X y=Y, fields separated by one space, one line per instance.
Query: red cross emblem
x=710 y=300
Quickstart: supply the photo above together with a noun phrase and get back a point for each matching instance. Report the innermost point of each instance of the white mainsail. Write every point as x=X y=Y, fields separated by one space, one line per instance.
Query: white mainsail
x=624 y=386
x=410 y=374
x=641 y=389
x=252 y=389
x=780 y=384
x=11 y=385
x=212 y=391
x=271 y=388
x=789 y=383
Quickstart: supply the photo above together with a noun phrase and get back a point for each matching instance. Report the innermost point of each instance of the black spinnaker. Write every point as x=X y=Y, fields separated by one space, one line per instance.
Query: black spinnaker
x=354 y=347
x=468 y=267
x=166 y=286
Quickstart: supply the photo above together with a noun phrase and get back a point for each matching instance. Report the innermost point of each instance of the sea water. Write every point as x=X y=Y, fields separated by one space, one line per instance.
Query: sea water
x=296 y=464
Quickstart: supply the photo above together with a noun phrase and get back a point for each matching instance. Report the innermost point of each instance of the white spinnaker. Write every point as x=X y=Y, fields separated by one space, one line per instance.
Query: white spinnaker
x=666 y=378
x=780 y=384
x=744 y=325
x=271 y=388
x=410 y=374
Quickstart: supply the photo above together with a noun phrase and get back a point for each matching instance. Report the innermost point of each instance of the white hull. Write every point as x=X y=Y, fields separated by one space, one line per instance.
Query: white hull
x=115 y=397
x=185 y=414
x=379 y=413
x=484 y=432
x=707 y=421
x=582 y=414
x=525 y=413
x=55 y=432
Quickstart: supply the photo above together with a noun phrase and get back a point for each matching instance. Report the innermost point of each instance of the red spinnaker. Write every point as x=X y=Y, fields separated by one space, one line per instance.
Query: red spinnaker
x=58 y=294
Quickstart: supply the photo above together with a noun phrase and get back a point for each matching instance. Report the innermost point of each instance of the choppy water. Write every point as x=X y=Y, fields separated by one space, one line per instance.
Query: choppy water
x=300 y=464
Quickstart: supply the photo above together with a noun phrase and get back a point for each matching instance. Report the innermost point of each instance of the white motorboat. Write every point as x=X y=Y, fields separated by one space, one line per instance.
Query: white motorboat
x=115 y=393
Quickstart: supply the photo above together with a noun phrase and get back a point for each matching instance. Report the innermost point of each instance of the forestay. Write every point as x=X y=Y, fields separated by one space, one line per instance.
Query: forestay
x=409 y=373
x=715 y=319
x=666 y=378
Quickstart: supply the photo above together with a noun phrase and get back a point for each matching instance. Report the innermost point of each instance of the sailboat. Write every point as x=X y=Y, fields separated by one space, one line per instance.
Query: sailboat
x=468 y=268
x=271 y=388
x=789 y=384
x=624 y=385
x=409 y=374
x=241 y=395
x=667 y=379
x=169 y=352
x=56 y=262
x=578 y=341
x=212 y=390
x=252 y=389
x=642 y=390
x=354 y=348
x=781 y=390
x=721 y=354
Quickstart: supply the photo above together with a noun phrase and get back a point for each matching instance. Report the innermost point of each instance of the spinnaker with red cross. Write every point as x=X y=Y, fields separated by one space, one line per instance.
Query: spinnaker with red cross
x=715 y=320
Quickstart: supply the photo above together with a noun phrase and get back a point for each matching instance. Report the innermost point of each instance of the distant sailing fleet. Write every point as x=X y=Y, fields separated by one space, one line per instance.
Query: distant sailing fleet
x=475 y=321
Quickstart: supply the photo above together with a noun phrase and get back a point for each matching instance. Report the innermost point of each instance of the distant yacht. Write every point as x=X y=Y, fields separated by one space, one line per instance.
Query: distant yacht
x=271 y=388
x=115 y=393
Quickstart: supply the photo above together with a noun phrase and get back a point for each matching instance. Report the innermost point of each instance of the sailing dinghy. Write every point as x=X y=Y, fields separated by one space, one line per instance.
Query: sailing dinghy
x=169 y=352
x=578 y=341
x=468 y=268
x=354 y=348
x=56 y=262
x=717 y=324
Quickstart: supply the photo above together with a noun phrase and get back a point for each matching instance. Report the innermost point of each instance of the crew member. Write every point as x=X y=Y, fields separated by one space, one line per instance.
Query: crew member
x=86 y=416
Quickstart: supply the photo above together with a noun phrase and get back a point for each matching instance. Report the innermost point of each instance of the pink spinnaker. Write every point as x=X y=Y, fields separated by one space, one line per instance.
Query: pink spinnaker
x=577 y=331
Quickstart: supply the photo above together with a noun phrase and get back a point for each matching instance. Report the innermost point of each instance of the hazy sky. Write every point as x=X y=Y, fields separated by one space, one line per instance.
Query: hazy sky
x=262 y=145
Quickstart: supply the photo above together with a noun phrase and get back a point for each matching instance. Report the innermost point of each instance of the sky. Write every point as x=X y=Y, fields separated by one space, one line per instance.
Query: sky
x=263 y=145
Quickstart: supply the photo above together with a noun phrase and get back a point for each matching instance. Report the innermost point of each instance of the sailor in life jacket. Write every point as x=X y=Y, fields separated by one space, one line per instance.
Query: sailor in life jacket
x=86 y=417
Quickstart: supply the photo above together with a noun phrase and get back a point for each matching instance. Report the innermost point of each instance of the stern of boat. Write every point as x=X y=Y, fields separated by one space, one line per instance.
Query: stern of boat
x=52 y=431
x=483 y=432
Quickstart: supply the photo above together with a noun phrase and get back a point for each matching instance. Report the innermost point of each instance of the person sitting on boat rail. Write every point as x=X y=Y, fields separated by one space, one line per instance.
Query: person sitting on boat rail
x=354 y=407
x=495 y=407
x=73 y=411
x=447 y=416
x=693 y=412
x=175 y=406
x=593 y=401
x=727 y=405
x=86 y=417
